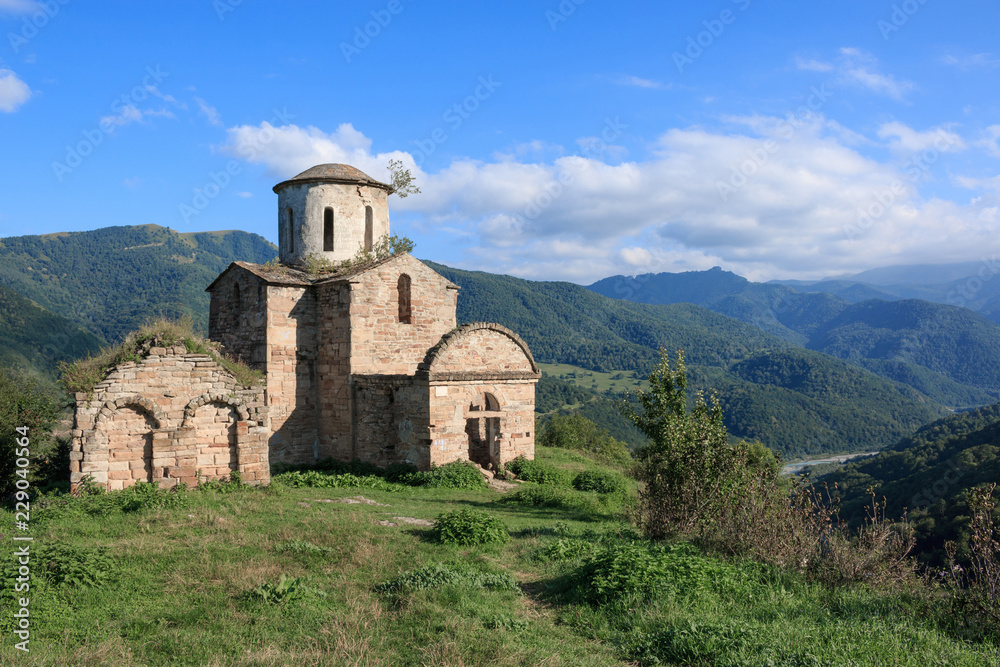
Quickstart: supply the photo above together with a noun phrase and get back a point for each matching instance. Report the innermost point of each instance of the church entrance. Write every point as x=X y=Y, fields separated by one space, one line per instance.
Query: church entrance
x=482 y=427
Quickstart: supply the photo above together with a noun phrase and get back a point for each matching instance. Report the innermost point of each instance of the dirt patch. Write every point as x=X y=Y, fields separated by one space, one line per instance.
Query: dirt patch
x=409 y=520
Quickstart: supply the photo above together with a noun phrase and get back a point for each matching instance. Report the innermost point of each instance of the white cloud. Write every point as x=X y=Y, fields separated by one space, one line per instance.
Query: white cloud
x=211 y=113
x=905 y=139
x=813 y=65
x=639 y=82
x=812 y=205
x=860 y=68
x=991 y=140
x=244 y=195
x=132 y=114
x=13 y=91
x=978 y=60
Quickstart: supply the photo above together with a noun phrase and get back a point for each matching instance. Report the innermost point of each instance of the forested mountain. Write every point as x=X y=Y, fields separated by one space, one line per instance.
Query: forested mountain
x=794 y=400
x=948 y=353
x=928 y=474
x=32 y=338
x=111 y=280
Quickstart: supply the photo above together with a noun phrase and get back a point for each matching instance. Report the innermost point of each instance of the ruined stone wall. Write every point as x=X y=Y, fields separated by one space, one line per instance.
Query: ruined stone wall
x=291 y=373
x=237 y=317
x=380 y=343
x=165 y=418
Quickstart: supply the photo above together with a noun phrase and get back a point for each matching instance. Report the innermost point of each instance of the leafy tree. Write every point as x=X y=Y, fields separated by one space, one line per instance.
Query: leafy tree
x=402 y=180
x=27 y=405
x=690 y=469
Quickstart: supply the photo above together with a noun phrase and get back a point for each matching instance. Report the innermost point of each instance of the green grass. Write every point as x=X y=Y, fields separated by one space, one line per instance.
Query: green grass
x=200 y=582
x=617 y=381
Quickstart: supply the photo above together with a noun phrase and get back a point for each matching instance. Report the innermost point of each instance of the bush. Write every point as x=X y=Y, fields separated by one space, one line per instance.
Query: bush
x=454 y=475
x=551 y=496
x=27 y=405
x=599 y=482
x=581 y=434
x=77 y=567
x=438 y=575
x=649 y=571
x=469 y=527
x=288 y=589
x=531 y=470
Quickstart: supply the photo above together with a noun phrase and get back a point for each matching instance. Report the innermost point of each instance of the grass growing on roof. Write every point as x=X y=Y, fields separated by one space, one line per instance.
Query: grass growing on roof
x=83 y=375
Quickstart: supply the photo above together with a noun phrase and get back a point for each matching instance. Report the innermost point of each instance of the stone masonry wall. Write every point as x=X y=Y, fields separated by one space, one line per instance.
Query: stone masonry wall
x=391 y=420
x=380 y=343
x=333 y=370
x=453 y=405
x=165 y=418
x=237 y=314
x=292 y=374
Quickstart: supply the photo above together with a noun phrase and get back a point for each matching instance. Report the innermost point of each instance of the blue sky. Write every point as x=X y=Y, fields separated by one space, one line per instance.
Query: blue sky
x=551 y=140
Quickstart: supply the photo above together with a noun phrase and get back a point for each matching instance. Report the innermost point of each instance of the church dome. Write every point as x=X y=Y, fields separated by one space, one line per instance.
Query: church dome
x=332 y=173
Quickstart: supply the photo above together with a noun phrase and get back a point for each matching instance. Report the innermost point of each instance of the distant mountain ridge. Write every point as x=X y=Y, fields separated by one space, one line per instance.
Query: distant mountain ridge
x=796 y=401
x=949 y=353
x=111 y=280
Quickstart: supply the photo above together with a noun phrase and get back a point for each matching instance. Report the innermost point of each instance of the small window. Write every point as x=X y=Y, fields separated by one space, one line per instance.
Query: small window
x=328 y=229
x=291 y=231
x=405 y=309
x=236 y=297
x=369 y=227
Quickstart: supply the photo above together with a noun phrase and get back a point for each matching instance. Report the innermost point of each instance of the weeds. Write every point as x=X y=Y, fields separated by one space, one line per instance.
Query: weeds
x=438 y=575
x=469 y=527
x=83 y=375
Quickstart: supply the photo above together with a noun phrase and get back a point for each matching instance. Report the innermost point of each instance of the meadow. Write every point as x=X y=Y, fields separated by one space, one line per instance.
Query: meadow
x=335 y=568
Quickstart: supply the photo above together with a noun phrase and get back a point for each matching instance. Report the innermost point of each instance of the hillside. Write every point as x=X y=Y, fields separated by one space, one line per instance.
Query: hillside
x=928 y=474
x=949 y=354
x=32 y=338
x=795 y=401
x=111 y=280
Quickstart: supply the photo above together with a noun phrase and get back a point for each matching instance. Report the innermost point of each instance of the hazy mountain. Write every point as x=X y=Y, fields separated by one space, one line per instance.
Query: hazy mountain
x=950 y=354
x=795 y=400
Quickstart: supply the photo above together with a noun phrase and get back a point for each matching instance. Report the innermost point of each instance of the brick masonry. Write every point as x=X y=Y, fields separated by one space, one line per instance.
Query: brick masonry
x=365 y=364
x=164 y=419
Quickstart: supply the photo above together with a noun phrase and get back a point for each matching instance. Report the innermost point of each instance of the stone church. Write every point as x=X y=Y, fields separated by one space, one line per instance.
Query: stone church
x=363 y=363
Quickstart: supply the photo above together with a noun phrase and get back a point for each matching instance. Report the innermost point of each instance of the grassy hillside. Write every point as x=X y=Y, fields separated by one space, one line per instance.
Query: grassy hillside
x=297 y=576
x=32 y=338
x=112 y=280
x=826 y=405
x=928 y=475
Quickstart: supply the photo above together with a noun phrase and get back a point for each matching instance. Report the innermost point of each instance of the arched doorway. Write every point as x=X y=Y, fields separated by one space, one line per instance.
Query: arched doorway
x=130 y=446
x=482 y=426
